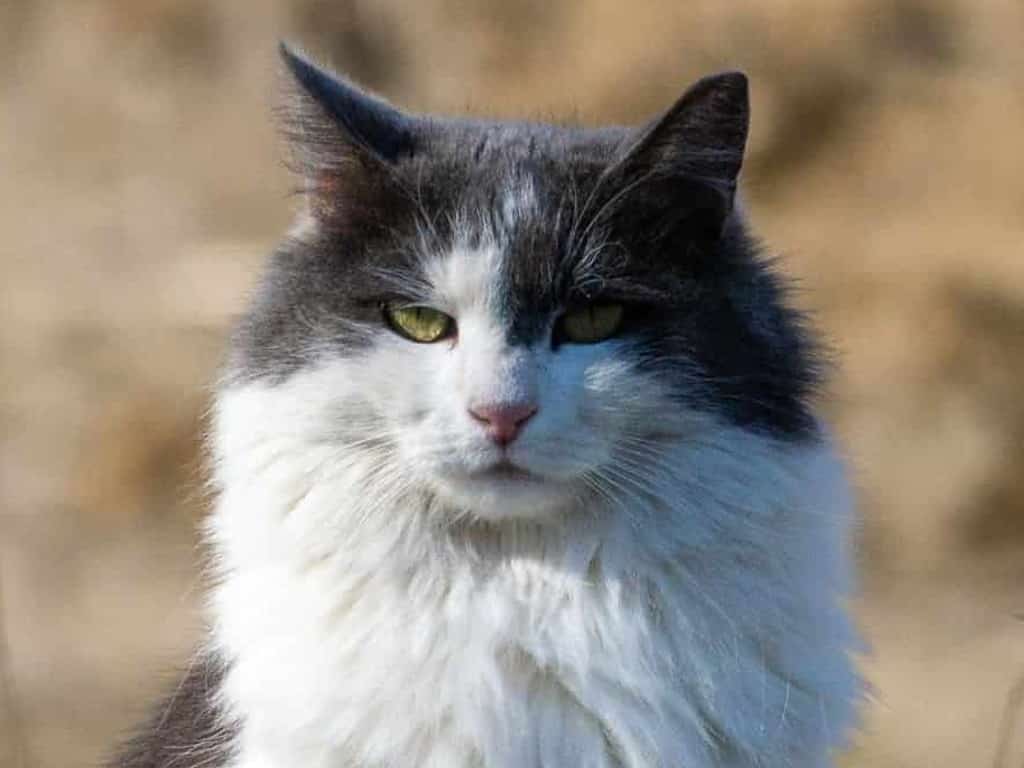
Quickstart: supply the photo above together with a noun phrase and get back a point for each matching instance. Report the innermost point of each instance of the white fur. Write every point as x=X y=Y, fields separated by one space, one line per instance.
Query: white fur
x=667 y=591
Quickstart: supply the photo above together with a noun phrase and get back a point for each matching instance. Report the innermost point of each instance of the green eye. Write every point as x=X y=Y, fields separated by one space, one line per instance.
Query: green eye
x=420 y=324
x=591 y=324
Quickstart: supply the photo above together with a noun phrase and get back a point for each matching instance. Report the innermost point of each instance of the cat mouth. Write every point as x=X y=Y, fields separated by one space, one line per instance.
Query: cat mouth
x=506 y=471
x=501 y=489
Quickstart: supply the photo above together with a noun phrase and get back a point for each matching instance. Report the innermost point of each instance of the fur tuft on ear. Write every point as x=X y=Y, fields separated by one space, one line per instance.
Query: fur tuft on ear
x=343 y=140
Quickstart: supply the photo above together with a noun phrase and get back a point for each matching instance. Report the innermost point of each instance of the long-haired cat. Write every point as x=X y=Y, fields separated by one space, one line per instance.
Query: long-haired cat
x=515 y=462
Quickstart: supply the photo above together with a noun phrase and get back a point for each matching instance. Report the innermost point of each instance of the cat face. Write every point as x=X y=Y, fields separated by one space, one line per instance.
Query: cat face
x=518 y=318
x=508 y=412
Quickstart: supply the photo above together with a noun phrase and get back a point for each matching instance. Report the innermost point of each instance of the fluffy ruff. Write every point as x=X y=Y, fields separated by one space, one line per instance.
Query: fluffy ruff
x=691 y=615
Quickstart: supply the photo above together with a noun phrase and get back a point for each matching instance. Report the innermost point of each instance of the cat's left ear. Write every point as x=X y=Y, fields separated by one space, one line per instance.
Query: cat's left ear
x=345 y=142
x=690 y=157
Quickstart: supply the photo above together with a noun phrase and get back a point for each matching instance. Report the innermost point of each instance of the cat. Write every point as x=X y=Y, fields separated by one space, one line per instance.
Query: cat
x=516 y=462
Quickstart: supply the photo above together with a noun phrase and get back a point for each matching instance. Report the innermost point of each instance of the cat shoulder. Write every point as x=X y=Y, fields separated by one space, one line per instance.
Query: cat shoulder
x=186 y=728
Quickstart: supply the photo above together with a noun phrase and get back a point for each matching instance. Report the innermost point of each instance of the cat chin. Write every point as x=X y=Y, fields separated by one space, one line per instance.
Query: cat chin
x=496 y=496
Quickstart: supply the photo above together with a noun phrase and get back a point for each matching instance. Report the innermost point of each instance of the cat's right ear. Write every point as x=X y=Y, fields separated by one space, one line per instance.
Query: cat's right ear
x=344 y=142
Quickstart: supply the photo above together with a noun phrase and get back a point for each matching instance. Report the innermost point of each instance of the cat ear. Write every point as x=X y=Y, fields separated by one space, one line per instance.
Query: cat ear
x=343 y=140
x=688 y=160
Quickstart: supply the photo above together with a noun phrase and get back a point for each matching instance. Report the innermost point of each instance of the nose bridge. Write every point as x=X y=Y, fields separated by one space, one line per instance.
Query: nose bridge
x=518 y=369
x=505 y=376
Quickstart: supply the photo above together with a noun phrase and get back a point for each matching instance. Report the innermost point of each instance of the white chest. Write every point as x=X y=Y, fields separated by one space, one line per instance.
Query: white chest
x=646 y=641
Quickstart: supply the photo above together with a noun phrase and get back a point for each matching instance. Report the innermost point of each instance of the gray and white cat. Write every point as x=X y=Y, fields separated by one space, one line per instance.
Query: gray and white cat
x=515 y=463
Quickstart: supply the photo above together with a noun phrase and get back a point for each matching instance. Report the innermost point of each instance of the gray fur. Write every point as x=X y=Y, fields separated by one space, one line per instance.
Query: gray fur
x=644 y=216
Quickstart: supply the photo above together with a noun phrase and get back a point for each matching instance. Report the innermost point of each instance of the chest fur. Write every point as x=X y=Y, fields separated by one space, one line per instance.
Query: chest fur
x=675 y=635
x=521 y=666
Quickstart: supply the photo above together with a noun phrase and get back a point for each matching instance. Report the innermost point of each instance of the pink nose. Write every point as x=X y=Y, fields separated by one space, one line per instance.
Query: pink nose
x=503 y=421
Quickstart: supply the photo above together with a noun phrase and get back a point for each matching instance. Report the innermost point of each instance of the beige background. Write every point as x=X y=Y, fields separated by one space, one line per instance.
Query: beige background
x=141 y=185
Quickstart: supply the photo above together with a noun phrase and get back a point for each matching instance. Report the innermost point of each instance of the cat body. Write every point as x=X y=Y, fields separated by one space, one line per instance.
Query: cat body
x=515 y=465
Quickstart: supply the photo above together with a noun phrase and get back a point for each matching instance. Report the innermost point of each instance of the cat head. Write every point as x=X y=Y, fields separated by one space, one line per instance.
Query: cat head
x=506 y=316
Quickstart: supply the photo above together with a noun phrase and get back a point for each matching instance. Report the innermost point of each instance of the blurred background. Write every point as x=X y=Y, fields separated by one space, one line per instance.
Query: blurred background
x=141 y=185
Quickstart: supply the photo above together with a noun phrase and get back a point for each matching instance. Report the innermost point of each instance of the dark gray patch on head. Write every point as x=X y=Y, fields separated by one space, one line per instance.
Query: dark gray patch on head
x=644 y=217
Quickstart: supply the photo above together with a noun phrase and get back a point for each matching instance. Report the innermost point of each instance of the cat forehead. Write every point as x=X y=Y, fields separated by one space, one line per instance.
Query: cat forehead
x=480 y=269
x=493 y=169
x=492 y=143
x=494 y=220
